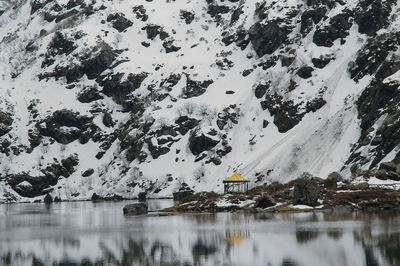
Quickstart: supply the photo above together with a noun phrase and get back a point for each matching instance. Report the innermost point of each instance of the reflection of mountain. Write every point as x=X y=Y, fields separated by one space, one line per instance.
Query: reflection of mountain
x=219 y=239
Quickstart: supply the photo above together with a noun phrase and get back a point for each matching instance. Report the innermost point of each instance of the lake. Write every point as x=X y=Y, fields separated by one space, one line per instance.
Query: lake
x=87 y=233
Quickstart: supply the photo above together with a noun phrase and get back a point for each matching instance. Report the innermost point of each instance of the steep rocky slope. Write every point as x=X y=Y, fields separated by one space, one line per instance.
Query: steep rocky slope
x=119 y=97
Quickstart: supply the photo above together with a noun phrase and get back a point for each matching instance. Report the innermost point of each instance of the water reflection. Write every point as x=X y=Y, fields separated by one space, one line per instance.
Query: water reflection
x=83 y=233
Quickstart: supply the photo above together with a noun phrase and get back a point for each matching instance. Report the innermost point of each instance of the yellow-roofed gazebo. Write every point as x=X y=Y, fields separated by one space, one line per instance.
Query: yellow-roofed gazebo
x=236 y=183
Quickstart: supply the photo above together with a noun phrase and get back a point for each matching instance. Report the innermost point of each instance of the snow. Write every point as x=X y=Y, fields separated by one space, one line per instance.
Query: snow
x=319 y=144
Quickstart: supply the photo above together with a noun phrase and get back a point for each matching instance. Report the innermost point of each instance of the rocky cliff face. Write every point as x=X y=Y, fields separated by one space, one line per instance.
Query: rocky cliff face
x=119 y=97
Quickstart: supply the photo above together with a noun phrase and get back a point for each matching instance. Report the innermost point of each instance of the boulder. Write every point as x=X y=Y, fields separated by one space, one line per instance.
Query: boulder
x=88 y=172
x=320 y=62
x=48 y=199
x=335 y=176
x=260 y=90
x=305 y=72
x=388 y=166
x=199 y=144
x=363 y=185
x=135 y=209
x=264 y=202
x=180 y=195
x=306 y=192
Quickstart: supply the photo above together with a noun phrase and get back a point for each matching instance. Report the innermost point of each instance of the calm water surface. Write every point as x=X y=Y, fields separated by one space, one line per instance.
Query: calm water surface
x=86 y=233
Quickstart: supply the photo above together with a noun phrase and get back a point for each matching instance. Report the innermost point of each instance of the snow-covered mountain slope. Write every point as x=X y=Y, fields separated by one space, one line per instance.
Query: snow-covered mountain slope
x=119 y=97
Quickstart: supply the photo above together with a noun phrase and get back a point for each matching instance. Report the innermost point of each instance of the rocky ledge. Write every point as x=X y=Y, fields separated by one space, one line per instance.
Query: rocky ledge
x=303 y=194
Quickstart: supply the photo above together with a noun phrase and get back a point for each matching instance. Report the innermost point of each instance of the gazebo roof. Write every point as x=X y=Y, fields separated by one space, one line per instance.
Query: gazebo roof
x=235 y=178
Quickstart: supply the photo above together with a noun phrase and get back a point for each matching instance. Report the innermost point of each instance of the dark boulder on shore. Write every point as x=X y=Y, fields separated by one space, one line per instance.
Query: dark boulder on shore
x=264 y=202
x=184 y=191
x=306 y=191
x=180 y=195
x=48 y=199
x=135 y=209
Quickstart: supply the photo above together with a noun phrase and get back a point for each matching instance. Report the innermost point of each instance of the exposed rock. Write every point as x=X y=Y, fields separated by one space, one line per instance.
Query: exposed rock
x=320 y=62
x=184 y=191
x=305 y=72
x=88 y=95
x=188 y=16
x=48 y=199
x=373 y=15
x=95 y=66
x=185 y=124
x=153 y=31
x=310 y=16
x=70 y=162
x=29 y=186
x=140 y=12
x=315 y=104
x=88 y=172
x=260 y=90
x=215 y=10
x=335 y=176
x=107 y=120
x=64 y=126
x=170 y=47
x=195 y=88
x=264 y=202
x=331 y=181
x=266 y=39
x=180 y=195
x=135 y=209
x=338 y=28
x=119 y=22
x=363 y=185
x=306 y=191
x=287 y=60
x=286 y=114
x=199 y=144
x=118 y=89
x=66 y=15
x=36 y=5
x=388 y=166
x=6 y=121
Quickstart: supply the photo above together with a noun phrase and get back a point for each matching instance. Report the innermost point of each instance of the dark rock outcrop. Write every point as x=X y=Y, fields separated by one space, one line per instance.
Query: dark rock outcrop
x=260 y=90
x=119 y=22
x=64 y=126
x=264 y=202
x=266 y=39
x=286 y=113
x=310 y=16
x=338 y=28
x=305 y=72
x=306 y=192
x=135 y=209
x=188 y=16
x=88 y=172
x=6 y=121
x=371 y=16
x=195 y=88
x=199 y=144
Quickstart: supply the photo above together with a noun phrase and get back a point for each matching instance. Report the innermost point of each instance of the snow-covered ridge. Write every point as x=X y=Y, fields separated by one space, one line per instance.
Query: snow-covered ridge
x=119 y=97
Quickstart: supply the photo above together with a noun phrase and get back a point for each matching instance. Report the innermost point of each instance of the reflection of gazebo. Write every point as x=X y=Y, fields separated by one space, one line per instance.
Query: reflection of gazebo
x=236 y=183
x=236 y=237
